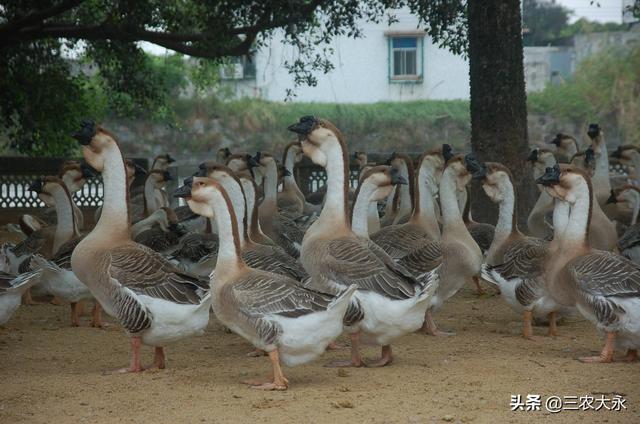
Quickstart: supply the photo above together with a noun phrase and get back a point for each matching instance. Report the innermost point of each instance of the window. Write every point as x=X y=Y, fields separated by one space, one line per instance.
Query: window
x=405 y=58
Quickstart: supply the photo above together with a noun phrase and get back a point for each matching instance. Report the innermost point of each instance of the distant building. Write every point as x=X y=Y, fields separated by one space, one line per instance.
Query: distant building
x=397 y=62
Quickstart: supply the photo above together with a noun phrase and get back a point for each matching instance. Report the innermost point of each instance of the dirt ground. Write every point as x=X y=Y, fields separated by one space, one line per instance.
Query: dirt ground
x=50 y=373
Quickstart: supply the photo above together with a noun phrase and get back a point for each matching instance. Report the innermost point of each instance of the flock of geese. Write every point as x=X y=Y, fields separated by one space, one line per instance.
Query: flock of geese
x=290 y=274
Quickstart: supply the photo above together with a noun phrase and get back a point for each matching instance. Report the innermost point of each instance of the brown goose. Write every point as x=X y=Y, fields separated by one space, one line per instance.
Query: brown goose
x=422 y=227
x=600 y=179
x=154 y=301
x=604 y=286
x=283 y=231
x=293 y=324
x=393 y=302
x=537 y=224
x=400 y=202
x=566 y=147
x=12 y=289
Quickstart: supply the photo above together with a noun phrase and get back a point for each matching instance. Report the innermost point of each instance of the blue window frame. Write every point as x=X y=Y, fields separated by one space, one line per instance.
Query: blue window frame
x=405 y=59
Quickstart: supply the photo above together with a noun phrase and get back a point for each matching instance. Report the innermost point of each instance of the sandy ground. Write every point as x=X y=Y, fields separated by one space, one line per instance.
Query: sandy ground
x=50 y=373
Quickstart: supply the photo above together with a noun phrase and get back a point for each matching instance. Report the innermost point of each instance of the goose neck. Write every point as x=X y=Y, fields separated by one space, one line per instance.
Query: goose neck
x=361 y=207
x=448 y=200
x=334 y=211
x=636 y=208
x=66 y=227
x=115 y=220
x=150 y=204
x=577 y=228
x=236 y=196
x=229 y=250
x=424 y=212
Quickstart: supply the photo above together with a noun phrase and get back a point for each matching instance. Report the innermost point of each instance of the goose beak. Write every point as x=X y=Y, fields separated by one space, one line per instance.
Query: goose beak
x=533 y=156
x=185 y=190
x=555 y=141
x=447 y=152
x=139 y=171
x=396 y=178
x=612 y=198
x=36 y=186
x=594 y=131
x=167 y=176
x=286 y=172
x=86 y=132
x=251 y=162
x=390 y=159
x=617 y=154
x=472 y=164
x=589 y=156
x=170 y=159
x=480 y=174
x=201 y=172
x=304 y=126
x=550 y=177
x=87 y=171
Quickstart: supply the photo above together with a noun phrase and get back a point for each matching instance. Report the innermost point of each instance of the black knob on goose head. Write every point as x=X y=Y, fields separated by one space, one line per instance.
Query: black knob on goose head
x=251 y=162
x=139 y=171
x=87 y=171
x=169 y=158
x=550 y=177
x=617 y=153
x=533 y=156
x=478 y=170
x=612 y=197
x=593 y=131
x=86 y=132
x=396 y=178
x=589 y=156
x=286 y=172
x=391 y=158
x=201 y=172
x=304 y=126
x=36 y=186
x=556 y=140
x=447 y=152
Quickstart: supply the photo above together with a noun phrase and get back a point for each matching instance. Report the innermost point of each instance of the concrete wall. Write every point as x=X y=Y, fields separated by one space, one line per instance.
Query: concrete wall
x=361 y=73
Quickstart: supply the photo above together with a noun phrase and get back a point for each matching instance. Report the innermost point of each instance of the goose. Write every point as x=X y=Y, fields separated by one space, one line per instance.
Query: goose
x=629 y=243
x=600 y=179
x=283 y=231
x=376 y=183
x=133 y=171
x=265 y=257
x=515 y=262
x=57 y=277
x=222 y=154
x=291 y=198
x=604 y=286
x=537 y=224
x=154 y=196
x=400 y=202
x=360 y=159
x=392 y=301
x=292 y=324
x=11 y=290
x=160 y=231
x=162 y=162
x=628 y=155
x=422 y=226
x=155 y=302
x=566 y=147
x=481 y=232
x=373 y=214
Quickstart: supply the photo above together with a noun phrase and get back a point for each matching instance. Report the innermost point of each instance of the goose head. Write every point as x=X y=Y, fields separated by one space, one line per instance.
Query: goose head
x=566 y=182
x=627 y=195
x=46 y=188
x=320 y=139
x=541 y=159
x=595 y=133
x=566 y=145
x=264 y=161
x=161 y=162
x=625 y=154
x=457 y=168
x=159 y=178
x=381 y=179
x=97 y=143
x=221 y=173
x=585 y=160
x=200 y=193
x=360 y=159
x=293 y=149
x=496 y=181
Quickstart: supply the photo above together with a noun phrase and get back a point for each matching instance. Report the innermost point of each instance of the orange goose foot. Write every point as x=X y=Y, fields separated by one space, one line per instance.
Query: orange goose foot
x=279 y=381
x=96 y=316
x=256 y=353
x=479 y=290
x=135 y=365
x=606 y=355
x=356 y=359
x=56 y=301
x=385 y=359
x=75 y=322
x=430 y=328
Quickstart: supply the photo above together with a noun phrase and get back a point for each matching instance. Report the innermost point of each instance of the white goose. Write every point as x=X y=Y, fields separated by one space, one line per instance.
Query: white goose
x=292 y=324
x=154 y=301
x=11 y=291
x=604 y=286
x=393 y=302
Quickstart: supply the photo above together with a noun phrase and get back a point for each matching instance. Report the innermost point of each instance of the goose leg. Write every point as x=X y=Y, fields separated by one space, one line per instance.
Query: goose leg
x=279 y=381
x=607 y=352
x=385 y=359
x=96 y=319
x=79 y=308
x=527 y=329
x=429 y=326
x=256 y=353
x=28 y=300
x=479 y=290
x=632 y=356
x=74 y=314
x=553 y=328
x=159 y=358
x=356 y=357
x=135 y=365
x=56 y=301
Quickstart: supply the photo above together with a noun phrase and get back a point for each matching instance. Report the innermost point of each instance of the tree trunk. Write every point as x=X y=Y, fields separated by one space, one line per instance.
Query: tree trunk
x=499 y=100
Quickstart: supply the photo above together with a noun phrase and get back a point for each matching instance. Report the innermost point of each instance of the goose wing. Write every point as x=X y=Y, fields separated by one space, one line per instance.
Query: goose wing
x=144 y=271
x=274 y=259
x=32 y=244
x=482 y=234
x=63 y=255
x=194 y=246
x=523 y=259
x=424 y=259
x=399 y=240
x=352 y=261
x=630 y=238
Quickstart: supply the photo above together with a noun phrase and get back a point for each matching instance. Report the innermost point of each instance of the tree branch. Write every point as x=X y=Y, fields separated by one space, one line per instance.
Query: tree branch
x=39 y=16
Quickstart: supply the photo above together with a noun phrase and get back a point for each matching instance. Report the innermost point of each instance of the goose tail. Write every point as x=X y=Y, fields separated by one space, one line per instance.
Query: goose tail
x=25 y=281
x=39 y=263
x=354 y=312
x=487 y=274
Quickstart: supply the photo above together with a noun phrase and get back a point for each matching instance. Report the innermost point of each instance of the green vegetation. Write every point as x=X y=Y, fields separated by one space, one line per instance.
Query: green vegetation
x=605 y=87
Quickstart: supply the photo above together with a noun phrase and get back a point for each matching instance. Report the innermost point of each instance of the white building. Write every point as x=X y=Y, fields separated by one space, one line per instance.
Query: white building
x=389 y=63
